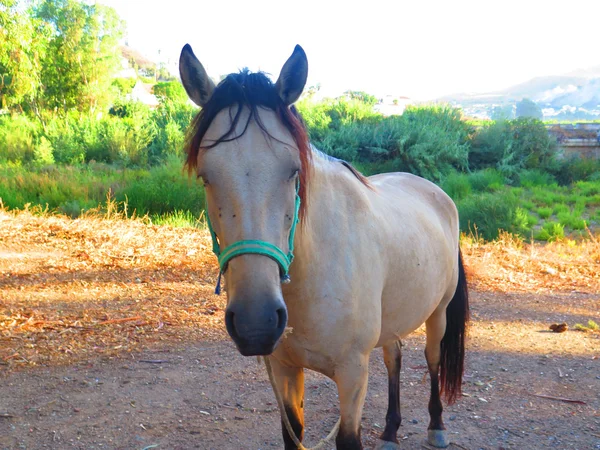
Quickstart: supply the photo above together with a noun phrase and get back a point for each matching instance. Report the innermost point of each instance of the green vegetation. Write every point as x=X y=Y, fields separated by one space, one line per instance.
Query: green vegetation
x=591 y=326
x=70 y=137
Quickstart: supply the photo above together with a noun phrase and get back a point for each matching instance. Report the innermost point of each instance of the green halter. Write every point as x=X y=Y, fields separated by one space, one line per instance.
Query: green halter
x=256 y=247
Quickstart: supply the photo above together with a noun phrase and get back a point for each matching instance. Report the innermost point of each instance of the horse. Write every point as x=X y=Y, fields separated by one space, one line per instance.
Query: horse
x=371 y=260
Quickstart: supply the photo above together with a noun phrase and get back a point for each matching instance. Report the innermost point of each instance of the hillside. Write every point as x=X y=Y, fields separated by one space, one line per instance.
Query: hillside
x=576 y=93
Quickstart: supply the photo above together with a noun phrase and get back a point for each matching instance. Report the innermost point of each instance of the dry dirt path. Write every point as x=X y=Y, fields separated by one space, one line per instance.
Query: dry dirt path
x=110 y=338
x=205 y=395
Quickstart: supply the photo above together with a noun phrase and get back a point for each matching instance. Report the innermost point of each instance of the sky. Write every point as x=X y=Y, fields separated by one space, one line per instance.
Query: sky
x=418 y=48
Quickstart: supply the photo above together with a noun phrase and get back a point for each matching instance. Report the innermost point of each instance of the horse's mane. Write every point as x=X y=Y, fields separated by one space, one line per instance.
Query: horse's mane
x=253 y=90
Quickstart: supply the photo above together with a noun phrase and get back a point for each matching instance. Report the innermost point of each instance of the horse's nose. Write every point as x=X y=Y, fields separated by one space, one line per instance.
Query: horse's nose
x=256 y=329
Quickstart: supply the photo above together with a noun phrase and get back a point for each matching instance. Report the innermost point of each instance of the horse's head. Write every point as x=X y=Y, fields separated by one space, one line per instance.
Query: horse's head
x=251 y=150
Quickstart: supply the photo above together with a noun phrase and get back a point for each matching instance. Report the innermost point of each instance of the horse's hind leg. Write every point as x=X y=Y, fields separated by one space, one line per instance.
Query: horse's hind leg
x=290 y=383
x=436 y=327
x=392 y=356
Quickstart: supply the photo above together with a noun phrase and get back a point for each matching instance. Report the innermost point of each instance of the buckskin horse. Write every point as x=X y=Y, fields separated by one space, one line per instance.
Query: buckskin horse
x=373 y=258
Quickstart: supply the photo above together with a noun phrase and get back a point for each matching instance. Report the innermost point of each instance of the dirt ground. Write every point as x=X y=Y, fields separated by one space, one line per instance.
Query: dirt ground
x=110 y=338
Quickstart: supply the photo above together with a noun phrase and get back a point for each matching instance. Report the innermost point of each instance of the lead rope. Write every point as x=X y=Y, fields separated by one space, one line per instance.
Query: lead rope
x=286 y=420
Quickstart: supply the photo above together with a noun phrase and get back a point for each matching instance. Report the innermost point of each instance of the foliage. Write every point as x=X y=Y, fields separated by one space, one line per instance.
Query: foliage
x=170 y=91
x=512 y=146
x=487 y=213
x=551 y=231
x=457 y=185
x=82 y=53
x=163 y=190
x=486 y=180
x=22 y=48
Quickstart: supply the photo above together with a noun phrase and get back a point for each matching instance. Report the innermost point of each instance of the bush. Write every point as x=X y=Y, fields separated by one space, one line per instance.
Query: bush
x=172 y=91
x=544 y=212
x=18 y=137
x=574 y=169
x=487 y=213
x=457 y=186
x=535 y=177
x=550 y=231
x=511 y=146
x=486 y=180
x=163 y=189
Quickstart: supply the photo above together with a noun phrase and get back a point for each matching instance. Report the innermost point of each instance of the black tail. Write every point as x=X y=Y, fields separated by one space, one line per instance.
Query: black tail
x=453 y=343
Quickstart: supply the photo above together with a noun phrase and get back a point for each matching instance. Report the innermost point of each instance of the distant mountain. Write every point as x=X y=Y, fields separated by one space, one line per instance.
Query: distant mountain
x=578 y=90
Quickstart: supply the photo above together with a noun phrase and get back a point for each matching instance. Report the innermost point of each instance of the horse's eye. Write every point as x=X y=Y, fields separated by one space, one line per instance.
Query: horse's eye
x=294 y=174
x=204 y=180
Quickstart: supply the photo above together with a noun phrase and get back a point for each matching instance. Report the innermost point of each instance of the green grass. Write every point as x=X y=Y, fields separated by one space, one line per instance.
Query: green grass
x=169 y=197
x=486 y=180
x=544 y=212
x=550 y=231
x=457 y=186
x=178 y=218
x=72 y=190
x=591 y=326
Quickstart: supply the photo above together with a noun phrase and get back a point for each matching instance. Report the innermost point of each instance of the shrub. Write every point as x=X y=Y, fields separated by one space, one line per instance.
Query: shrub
x=172 y=91
x=544 y=212
x=43 y=153
x=17 y=139
x=457 y=186
x=486 y=180
x=573 y=169
x=511 y=146
x=551 y=231
x=487 y=213
x=163 y=189
x=535 y=177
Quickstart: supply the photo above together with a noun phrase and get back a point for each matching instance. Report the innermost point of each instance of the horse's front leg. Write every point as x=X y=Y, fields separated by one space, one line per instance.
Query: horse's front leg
x=290 y=383
x=351 y=379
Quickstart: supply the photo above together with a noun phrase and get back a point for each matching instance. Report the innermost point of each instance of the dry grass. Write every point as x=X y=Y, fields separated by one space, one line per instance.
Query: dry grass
x=511 y=265
x=97 y=286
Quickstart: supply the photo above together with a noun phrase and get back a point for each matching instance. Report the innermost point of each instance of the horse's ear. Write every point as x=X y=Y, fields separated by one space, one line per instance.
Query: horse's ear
x=293 y=76
x=196 y=82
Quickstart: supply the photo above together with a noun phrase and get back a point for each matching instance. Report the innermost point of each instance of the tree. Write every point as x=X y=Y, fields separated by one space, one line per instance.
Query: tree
x=22 y=46
x=362 y=96
x=505 y=112
x=170 y=91
x=528 y=108
x=82 y=54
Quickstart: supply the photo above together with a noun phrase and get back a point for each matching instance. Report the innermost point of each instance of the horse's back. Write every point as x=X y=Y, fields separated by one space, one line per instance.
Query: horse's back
x=420 y=224
x=405 y=187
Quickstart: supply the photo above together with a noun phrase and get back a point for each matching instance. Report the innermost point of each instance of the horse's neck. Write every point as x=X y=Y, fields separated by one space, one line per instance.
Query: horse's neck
x=334 y=196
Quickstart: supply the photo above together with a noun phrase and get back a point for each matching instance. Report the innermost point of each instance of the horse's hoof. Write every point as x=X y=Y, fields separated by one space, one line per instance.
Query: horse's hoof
x=386 y=445
x=438 y=438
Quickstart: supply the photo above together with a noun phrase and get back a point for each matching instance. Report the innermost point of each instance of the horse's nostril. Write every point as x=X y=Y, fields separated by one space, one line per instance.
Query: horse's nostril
x=281 y=318
x=229 y=324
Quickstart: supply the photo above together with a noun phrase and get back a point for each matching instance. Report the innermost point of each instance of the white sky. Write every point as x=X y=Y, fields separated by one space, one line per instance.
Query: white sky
x=418 y=48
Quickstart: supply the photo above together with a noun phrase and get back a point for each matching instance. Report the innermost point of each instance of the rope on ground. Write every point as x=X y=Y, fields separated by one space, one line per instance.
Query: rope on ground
x=286 y=420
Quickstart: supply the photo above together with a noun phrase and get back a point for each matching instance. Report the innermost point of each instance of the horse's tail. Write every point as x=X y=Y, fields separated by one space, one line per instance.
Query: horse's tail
x=453 y=342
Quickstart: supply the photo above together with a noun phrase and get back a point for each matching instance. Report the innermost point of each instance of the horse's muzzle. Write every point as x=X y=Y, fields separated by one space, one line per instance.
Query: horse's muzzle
x=256 y=332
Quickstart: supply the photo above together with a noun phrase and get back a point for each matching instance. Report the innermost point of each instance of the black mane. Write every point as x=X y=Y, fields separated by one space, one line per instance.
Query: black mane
x=250 y=89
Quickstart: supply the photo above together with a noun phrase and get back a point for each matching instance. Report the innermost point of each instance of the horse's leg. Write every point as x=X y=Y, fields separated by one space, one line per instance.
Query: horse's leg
x=351 y=379
x=290 y=383
x=392 y=356
x=435 y=327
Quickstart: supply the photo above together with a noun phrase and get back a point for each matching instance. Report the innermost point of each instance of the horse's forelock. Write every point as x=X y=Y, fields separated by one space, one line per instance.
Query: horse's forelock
x=252 y=90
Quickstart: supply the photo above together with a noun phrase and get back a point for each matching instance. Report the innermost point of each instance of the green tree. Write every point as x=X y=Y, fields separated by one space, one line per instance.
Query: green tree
x=81 y=55
x=170 y=91
x=504 y=112
x=529 y=108
x=362 y=97
x=22 y=46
